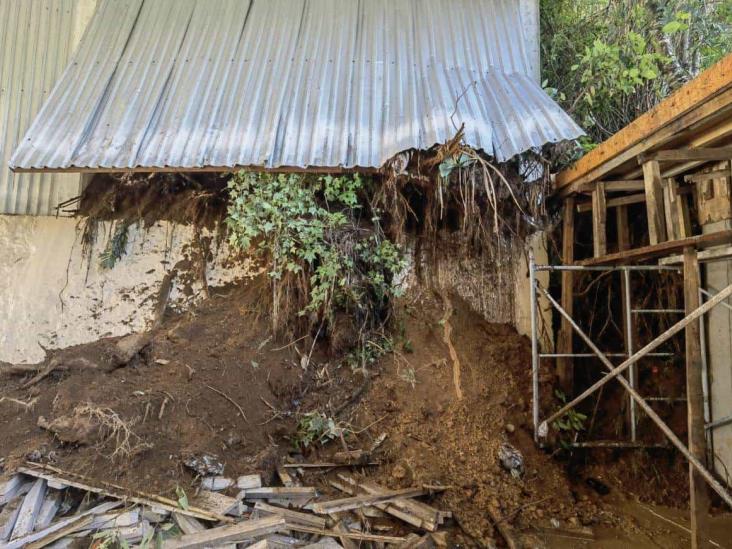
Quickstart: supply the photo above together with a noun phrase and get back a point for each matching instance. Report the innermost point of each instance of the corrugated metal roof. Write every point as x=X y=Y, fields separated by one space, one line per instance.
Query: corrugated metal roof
x=35 y=43
x=291 y=83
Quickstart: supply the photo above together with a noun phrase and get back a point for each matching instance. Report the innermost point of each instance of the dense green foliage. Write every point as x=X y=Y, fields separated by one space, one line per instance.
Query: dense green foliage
x=608 y=61
x=324 y=250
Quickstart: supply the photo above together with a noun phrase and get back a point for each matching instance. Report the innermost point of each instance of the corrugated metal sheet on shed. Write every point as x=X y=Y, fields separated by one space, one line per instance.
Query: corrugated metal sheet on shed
x=190 y=84
x=35 y=45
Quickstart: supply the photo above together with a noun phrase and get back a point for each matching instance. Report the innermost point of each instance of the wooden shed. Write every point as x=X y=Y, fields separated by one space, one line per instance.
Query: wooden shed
x=658 y=196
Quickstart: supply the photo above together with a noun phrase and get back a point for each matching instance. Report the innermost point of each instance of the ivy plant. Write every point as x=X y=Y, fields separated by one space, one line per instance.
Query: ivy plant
x=320 y=231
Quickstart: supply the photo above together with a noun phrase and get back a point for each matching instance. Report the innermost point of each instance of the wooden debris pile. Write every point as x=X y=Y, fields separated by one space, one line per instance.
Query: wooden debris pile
x=42 y=506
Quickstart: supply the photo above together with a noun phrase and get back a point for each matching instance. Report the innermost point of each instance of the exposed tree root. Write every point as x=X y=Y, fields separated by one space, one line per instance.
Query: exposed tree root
x=446 y=337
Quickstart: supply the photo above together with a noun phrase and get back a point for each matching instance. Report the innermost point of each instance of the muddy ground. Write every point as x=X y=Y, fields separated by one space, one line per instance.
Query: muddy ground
x=185 y=394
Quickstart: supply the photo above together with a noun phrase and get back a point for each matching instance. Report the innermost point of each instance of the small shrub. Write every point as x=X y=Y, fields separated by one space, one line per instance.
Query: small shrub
x=316 y=427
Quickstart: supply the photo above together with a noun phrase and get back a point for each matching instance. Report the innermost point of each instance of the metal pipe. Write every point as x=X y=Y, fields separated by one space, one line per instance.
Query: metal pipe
x=705 y=366
x=709 y=294
x=615 y=371
x=593 y=355
x=534 y=347
x=718 y=422
x=658 y=311
x=629 y=340
x=716 y=485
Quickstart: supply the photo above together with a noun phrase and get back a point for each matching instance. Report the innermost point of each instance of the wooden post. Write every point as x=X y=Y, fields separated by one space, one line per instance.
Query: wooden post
x=565 y=366
x=670 y=199
x=679 y=209
x=654 y=202
x=599 y=220
x=698 y=495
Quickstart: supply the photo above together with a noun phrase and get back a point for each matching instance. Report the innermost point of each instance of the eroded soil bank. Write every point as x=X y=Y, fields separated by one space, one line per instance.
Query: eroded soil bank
x=214 y=381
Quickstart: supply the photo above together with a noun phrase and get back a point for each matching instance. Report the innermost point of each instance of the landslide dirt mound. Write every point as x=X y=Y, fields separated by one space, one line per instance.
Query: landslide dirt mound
x=185 y=393
x=181 y=396
x=434 y=437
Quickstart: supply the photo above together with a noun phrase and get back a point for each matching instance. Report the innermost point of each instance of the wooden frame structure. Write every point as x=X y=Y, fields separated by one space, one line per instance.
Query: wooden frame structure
x=674 y=162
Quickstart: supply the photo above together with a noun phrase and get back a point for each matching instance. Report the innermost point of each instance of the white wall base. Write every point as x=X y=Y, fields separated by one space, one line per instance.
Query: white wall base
x=52 y=294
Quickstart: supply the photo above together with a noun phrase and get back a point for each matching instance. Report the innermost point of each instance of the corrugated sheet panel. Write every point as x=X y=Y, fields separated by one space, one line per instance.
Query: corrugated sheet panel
x=291 y=83
x=35 y=39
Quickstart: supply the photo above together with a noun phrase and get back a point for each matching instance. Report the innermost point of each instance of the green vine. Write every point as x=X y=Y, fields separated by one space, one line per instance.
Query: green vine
x=322 y=242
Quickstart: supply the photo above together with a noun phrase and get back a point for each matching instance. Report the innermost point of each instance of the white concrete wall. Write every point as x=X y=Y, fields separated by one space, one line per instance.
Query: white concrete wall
x=54 y=295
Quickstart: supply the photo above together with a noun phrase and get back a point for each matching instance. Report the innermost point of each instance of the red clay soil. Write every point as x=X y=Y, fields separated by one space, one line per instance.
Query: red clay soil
x=182 y=397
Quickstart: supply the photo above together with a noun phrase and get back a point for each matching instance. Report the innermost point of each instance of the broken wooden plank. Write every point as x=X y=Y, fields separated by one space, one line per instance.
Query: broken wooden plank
x=352 y=535
x=216 y=483
x=342 y=529
x=413 y=512
x=49 y=509
x=285 y=477
x=115 y=520
x=324 y=543
x=7 y=519
x=355 y=502
x=293 y=516
x=415 y=541
x=187 y=525
x=66 y=478
x=231 y=532
x=293 y=492
x=12 y=488
x=216 y=503
x=29 y=510
x=246 y=482
x=61 y=528
x=328 y=465
x=393 y=508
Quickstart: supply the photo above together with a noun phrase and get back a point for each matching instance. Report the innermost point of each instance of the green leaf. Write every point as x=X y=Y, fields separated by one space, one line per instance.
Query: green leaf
x=182 y=498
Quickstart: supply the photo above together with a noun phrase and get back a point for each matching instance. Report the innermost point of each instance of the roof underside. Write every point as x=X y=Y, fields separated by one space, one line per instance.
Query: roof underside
x=194 y=84
x=699 y=115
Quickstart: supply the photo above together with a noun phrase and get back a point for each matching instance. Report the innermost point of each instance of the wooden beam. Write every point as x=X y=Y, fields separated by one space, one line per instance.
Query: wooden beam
x=693 y=102
x=632 y=185
x=565 y=365
x=356 y=502
x=699 y=497
x=614 y=202
x=711 y=154
x=660 y=250
x=705 y=138
x=699 y=177
x=710 y=254
x=654 y=202
x=231 y=532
